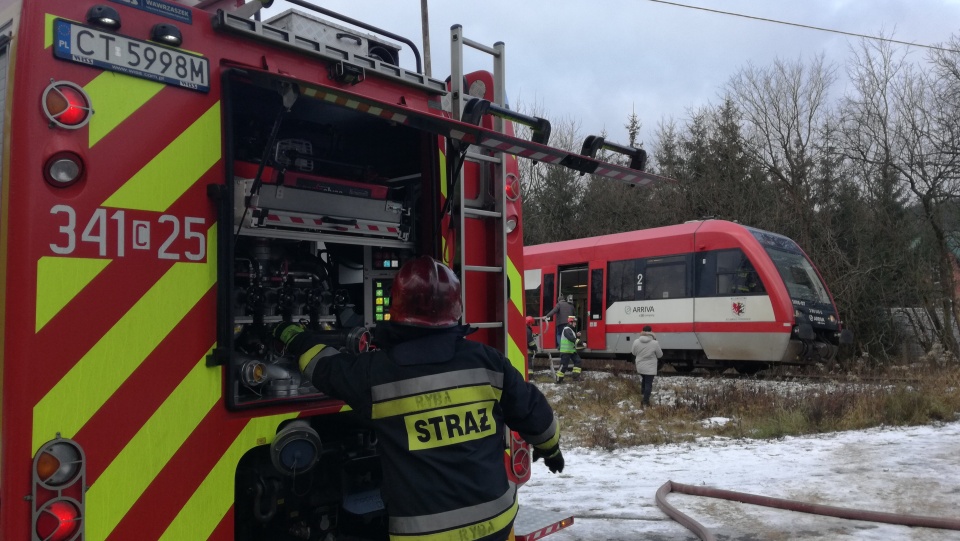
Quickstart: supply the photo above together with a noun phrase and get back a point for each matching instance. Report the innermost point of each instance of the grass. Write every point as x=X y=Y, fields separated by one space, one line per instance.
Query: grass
x=603 y=410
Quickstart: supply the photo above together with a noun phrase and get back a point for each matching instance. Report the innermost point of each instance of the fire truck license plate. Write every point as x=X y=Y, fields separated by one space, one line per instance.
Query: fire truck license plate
x=143 y=59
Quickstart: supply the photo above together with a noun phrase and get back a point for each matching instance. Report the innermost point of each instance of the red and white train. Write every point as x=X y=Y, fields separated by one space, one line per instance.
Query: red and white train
x=717 y=294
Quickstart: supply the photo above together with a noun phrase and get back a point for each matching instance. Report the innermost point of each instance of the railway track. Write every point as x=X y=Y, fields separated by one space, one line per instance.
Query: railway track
x=796 y=373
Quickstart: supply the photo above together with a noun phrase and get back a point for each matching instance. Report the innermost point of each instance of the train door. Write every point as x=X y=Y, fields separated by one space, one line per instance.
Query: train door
x=573 y=282
x=595 y=324
x=534 y=303
x=548 y=296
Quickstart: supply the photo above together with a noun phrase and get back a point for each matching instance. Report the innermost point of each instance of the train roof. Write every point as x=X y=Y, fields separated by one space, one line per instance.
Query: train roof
x=684 y=230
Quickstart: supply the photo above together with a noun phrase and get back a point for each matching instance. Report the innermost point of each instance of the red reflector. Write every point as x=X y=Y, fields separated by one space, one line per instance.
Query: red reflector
x=66 y=105
x=512 y=189
x=75 y=109
x=58 y=521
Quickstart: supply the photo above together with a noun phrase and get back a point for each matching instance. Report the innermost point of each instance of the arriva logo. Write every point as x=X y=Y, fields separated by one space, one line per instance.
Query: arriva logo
x=638 y=310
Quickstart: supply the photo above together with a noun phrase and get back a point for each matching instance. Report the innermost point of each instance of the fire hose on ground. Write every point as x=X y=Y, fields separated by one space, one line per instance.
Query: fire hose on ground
x=791 y=505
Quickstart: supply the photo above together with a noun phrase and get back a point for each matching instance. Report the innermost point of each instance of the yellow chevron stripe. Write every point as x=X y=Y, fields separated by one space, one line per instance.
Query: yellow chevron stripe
x=81 y=392
x=115 y=97
x=517 y=356
x=59 y=279
x=443 y=173
x=444 y=249
x=132 y=471
x=214 y=497
x=48 y=29
x=175 y=169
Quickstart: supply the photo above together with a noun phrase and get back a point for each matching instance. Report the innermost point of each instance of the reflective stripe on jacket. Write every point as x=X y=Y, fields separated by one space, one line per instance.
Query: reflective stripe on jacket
x=441 y=405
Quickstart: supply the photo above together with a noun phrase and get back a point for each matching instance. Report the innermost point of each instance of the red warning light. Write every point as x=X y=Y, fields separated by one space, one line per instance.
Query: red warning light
x=58 y=521
x=66 y=105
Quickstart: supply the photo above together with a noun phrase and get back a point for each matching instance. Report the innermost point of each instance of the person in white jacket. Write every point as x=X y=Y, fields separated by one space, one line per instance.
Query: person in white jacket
x=646 y=351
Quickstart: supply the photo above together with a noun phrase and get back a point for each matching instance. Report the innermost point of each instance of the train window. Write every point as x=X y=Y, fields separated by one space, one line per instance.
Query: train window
x=799 y=276
x=624 y=280
x=549 y=298
x=736 y=274
x=596 y=294
x=666 y=278
x=531 y=283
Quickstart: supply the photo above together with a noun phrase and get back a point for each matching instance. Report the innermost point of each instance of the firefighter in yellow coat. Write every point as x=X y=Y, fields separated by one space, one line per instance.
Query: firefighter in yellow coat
x=568 y=350
x=440 y=405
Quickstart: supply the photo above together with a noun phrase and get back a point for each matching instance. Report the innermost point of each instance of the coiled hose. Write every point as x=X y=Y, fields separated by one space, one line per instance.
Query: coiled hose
x=826 y=510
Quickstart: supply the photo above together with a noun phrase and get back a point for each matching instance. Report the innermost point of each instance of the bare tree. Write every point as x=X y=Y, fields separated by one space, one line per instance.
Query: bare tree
x=785 y=109
x=901 y=125
x=552 y=194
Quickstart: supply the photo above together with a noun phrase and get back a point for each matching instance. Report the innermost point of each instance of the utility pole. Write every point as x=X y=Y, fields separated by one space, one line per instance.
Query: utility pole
x=425 y=24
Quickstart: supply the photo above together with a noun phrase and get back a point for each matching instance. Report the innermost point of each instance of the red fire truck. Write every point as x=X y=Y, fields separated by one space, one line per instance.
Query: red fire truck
x=177 y=178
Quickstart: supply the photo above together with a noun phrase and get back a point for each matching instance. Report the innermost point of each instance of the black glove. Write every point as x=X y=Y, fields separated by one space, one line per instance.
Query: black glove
x=553 y=461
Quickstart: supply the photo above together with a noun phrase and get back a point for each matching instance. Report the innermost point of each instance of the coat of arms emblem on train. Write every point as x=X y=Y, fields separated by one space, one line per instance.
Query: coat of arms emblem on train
x=739 y=308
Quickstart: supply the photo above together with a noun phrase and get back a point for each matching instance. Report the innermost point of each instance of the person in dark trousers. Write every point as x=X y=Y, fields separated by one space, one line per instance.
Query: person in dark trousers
x=646 y=351
x=563 y=310
x=531 y=340
x=440 y=405
x=568 y=350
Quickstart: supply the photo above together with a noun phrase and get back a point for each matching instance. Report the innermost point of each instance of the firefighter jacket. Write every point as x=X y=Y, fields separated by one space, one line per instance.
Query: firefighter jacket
x=441 y=405
x=568 y=340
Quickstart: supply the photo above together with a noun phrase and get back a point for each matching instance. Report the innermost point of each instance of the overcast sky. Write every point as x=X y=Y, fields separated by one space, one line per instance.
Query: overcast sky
x=596 y=61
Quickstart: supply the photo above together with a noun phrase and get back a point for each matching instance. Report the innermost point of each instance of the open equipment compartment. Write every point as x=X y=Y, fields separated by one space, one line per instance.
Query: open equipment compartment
x=321 y=206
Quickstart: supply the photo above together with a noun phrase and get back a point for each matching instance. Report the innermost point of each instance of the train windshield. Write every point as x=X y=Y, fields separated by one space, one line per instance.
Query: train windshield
x=802 y=281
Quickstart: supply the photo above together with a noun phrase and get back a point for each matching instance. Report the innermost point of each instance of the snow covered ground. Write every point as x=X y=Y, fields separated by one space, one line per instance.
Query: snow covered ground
x=896 y=470
x=611 y=494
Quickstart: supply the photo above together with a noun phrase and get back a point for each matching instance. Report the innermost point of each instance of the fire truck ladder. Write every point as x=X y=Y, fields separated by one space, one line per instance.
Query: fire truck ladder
x=489 y=204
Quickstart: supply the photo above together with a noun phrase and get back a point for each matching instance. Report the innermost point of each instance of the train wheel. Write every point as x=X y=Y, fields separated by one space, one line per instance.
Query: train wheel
x=683 y=368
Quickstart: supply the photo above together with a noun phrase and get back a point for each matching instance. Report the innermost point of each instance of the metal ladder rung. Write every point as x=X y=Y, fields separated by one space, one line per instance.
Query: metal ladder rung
x=489 y=325
x=476 y=268
x=470 y=211
x=483 y=157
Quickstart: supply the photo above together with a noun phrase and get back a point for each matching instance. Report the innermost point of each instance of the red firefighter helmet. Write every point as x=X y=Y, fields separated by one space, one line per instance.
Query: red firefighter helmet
x=426 y=293
x=529 y=320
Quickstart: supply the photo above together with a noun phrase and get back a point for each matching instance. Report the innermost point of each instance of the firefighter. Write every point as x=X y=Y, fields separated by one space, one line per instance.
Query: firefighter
x=531 y=340
x=440 y=405
x=568 y=350
x=564 y=309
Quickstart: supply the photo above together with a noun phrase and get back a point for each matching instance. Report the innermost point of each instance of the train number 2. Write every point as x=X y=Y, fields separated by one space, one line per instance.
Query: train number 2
x=102 y=227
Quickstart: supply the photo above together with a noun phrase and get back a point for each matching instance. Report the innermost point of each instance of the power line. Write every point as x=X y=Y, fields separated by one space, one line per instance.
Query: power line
x=854 y=34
